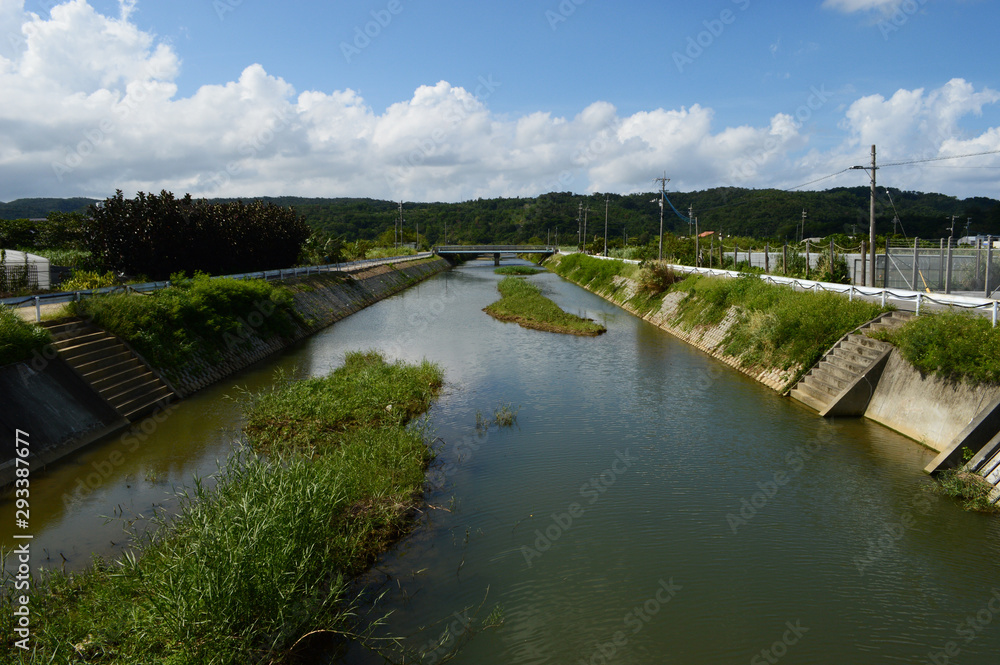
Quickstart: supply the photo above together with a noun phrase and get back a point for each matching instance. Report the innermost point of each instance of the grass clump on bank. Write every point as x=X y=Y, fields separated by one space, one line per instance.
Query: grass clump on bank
x=198 y=313
x=952 y=345
x=367 y=392
x=18 y=338
x=776 y=326
x=257 y=569
x=967 y=487
x=517 y=270
x=524 y=304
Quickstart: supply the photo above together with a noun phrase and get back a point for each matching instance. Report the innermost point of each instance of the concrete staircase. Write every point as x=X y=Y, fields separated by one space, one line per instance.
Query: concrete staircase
x=827 y=386
x=118 y=375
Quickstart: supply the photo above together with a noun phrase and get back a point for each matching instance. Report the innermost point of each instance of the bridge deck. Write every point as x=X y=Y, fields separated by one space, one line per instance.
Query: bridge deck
x=493 y=249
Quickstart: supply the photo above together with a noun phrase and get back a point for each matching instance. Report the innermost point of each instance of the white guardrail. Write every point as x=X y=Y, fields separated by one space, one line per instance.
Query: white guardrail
x=884 y=295
x=148 y=287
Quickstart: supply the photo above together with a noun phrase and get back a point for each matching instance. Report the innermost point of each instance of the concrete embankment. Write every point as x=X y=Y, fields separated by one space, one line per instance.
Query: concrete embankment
x=708 y=338
x=63 y=410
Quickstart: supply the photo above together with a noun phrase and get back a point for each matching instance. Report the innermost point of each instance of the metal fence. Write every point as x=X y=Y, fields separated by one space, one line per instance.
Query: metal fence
x=18 y=277
x=941 y=265
x=67 y=296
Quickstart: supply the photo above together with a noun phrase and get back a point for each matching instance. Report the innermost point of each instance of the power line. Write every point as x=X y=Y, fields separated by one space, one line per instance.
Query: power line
x=939 y=159
x=826 y=177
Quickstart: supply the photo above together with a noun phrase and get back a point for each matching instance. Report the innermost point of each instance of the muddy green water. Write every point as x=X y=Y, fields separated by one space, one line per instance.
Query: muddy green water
x=651 y=505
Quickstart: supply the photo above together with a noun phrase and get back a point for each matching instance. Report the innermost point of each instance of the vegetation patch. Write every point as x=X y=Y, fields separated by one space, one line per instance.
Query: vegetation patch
x=18 y=338
x=952 y=345
x=517 y=270
x=777 y=326
x=314 y=415
x=257 y=569
x=524 y=304
x=194 y=314
x=967 y=487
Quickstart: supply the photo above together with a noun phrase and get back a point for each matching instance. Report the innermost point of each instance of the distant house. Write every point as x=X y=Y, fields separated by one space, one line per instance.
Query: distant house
x=20 y=270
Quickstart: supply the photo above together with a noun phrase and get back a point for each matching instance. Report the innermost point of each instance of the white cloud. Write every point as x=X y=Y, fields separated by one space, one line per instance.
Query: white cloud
x=91 y=106
x=851 y=6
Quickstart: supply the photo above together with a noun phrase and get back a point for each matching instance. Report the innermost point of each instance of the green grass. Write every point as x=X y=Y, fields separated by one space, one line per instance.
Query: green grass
x=517 y=270
x=951 y=345
x=257 y=569
x=597 y=274
x=169 y=326
x=18 y=338
x=777 y=326
x=366 y=392
x=523 y=303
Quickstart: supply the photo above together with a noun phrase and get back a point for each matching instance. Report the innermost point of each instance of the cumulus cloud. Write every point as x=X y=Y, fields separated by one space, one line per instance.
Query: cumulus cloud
x=91 y=106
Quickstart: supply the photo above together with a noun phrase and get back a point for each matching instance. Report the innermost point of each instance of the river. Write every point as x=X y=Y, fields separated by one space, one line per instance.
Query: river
x=651 y=505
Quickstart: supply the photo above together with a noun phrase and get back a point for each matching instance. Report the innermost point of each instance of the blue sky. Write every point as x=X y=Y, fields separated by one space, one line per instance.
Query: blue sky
x=444 y=100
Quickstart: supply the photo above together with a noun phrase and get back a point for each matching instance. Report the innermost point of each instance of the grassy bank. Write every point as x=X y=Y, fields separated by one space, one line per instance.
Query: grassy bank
x=952 y=345
x=199 y=313
x=523 y=271
x=258 y=568
x=523 y=303
x=18 y=338
x=776 y=327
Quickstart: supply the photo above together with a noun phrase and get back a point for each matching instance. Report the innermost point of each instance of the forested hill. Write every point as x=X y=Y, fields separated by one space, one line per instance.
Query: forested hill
x=733 y=211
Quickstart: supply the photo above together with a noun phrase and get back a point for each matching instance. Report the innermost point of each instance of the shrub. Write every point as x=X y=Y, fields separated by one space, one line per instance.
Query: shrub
x=952 y=345
x=158 y=235
x=18 y=338
x=83 y=280
x=655 y=277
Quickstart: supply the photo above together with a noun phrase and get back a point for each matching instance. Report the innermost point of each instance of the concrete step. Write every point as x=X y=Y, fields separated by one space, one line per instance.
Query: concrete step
x=123 y=382
x=102 y=373
x=67 y=327
x=84 y=337
x=130 y=395
x=864 y=340
x=861 y=350
x=87 y=369
x=127 y=372
x=807 y=399
x=96 y=351
x=817 y=383
x=848 y=363
x=814 y=391
x=72 y=352
x=830 y=378
x=837 y=372
x=140 y=406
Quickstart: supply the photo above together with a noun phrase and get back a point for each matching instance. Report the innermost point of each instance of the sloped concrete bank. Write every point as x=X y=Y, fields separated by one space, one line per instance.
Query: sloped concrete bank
x=706 y=338
x=61 y=412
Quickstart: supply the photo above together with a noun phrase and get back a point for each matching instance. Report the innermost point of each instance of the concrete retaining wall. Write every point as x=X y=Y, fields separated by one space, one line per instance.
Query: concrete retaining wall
x=62 y=413
x=706 y=338
x=927 y=409
x=321 y=300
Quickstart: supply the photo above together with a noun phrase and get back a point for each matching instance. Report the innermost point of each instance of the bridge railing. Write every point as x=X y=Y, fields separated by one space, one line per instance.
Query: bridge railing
x=287 y=273
x=477 y=249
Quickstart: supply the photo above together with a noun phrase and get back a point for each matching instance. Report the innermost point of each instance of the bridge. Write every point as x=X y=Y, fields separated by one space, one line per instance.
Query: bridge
x=495 y=250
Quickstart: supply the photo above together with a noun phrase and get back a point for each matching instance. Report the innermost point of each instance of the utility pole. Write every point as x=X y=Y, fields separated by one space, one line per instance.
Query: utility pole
x=606 y=199
x=663 y=196
x=802 y=235
x=398 y=235
x=870 y=281
x=579 y=225
x=586 y=211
